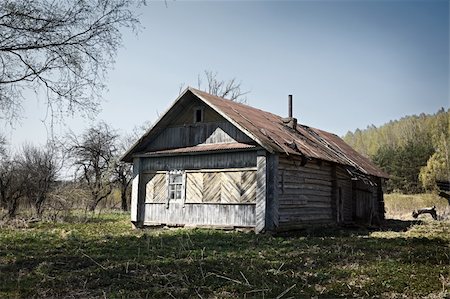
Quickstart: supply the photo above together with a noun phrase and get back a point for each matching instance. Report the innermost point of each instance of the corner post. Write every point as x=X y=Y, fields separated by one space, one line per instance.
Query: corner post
x=261 y=191
x=272 y=204
x=136 y=208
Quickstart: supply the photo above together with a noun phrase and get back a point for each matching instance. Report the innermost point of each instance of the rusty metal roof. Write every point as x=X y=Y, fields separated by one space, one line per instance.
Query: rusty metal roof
x=274 y=135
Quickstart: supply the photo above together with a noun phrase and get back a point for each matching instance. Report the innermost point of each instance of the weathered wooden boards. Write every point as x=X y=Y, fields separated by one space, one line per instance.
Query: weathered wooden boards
x=194 y=134
x=241 y=215
x=220 y=190
x=323 y=193
x=261 y=192
x=304 y=193
x=206 y=186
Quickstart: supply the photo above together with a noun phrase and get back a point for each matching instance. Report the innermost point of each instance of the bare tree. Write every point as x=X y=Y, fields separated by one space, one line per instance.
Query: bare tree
x=122 y=176
x=122 y=172
x=2 y=146
x=38 y=168
x=64 y=48
x=93 y=153
x=11 y=188
x=230 y=89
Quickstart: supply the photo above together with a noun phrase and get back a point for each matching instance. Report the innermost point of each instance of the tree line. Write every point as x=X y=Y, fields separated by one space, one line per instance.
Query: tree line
x=32 y=175
x=63 y=50
x=414 y=150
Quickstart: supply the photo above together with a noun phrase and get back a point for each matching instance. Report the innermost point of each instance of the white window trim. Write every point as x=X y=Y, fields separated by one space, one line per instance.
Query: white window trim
x=183 y=187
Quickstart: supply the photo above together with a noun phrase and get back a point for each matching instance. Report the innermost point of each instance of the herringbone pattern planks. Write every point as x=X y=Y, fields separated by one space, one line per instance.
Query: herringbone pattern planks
x=230 y=189
x=160 y=188
x=156 y=188
x=194 y=187
x=207 y=187
x=248 y=186
x=211 y=186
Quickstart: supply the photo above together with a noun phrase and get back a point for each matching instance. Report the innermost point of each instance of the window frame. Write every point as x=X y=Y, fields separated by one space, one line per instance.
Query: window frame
x=176 y=187
x=202 y=114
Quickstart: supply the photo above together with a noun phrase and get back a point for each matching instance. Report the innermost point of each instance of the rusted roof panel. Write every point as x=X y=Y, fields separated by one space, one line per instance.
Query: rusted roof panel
x=272 y=133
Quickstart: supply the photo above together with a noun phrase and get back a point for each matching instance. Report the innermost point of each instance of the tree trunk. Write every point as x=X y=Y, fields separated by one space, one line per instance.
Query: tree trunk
x=123 y=196
x=92 y=206
x=12 y=209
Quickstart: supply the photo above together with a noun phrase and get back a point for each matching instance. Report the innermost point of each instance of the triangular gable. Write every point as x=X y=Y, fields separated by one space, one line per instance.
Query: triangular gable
x=141 y=144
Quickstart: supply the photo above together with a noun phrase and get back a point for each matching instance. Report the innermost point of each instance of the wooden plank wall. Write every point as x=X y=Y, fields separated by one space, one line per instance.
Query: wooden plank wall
x=199 y=133
x=200 y=161
x=304 y=193
x=369 y=202
x=241 y=215
x=185 y=114
x=344 y=182
x=366 y=200
x=199 y=213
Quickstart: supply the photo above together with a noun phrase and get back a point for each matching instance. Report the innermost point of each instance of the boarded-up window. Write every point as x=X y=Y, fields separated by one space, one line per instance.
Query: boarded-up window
x=231 y=187
x=211 y=187
x=248 y=186
x=155 y=187
x=194 y=187
x=221 y=186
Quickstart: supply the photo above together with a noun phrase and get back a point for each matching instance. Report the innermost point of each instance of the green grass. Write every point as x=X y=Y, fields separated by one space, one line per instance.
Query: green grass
x=106 y=258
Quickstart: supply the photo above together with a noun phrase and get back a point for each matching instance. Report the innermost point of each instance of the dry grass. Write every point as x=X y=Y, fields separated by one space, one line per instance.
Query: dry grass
x=400 y=206
x=104 y=258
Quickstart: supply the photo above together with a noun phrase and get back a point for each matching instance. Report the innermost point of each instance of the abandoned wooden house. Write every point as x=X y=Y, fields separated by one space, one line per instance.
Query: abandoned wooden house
x=213 y=162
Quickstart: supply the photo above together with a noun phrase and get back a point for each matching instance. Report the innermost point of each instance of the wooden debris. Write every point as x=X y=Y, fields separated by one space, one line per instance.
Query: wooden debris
x=431 y=211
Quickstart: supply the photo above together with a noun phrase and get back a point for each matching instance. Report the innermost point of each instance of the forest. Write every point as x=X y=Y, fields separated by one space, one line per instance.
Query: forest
x=414 y=150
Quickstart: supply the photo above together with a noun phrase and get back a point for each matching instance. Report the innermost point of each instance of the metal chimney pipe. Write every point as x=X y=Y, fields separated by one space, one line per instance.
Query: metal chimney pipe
x=290 y=105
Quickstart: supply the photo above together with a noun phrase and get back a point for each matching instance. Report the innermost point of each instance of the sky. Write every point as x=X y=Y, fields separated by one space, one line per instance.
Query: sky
x=348 y=64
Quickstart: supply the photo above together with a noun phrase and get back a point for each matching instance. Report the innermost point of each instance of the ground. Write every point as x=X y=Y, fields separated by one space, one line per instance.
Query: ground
x=103 y=257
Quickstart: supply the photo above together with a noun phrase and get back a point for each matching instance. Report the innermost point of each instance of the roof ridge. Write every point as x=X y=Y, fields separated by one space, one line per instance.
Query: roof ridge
x=233 y=103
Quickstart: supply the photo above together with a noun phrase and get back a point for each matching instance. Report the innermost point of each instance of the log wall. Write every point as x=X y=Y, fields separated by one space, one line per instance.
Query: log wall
x=345 y=201
x=304 y=193
x=369 y=204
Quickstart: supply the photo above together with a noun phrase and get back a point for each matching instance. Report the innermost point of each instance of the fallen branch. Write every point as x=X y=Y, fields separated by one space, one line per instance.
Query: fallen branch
x=431 y=211
x=245 y=278
x=229 y=279
x=286 y=291
x=98 y=264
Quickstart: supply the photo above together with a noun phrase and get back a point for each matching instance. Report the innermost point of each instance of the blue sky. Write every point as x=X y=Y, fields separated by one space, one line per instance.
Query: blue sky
x=348 y=64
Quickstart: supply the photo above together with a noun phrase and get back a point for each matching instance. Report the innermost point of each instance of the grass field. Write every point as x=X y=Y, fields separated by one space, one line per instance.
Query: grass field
x=105 y=258
x=400 y=206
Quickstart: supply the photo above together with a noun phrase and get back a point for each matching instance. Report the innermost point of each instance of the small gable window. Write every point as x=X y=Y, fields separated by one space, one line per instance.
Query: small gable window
x=198 y=115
